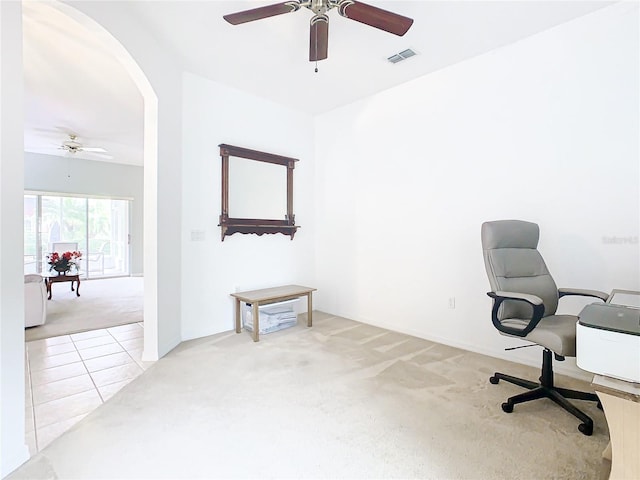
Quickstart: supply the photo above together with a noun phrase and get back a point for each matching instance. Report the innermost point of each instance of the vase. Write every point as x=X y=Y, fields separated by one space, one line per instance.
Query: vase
x=62 y=270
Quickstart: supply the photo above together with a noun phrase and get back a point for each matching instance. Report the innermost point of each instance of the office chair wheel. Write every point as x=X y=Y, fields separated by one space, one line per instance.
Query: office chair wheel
x=586 y=429
x=507 y=407
x=494 y=380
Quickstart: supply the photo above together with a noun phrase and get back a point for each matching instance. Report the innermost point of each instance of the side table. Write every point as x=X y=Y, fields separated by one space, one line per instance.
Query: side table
x=72 y=276
x=621 y=404
x=266 y=296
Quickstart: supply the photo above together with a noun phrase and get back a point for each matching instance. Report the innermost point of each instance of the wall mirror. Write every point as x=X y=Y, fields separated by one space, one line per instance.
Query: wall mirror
x=257 y=192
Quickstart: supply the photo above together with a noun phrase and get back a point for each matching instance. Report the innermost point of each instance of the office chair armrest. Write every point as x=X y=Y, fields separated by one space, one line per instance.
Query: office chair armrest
x=527 y=297
x=564 y=292
x=533 y=300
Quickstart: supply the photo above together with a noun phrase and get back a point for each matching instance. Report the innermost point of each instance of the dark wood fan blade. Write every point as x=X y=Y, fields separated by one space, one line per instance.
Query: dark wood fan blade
x=262 y=12
x=375 y=17
x=319 y=38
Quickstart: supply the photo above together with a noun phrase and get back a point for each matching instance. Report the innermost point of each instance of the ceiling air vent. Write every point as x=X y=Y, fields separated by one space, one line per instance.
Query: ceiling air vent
x=403 y=55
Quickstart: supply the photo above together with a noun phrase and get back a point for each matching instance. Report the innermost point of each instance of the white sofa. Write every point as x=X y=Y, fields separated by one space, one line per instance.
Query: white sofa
x=35 y=300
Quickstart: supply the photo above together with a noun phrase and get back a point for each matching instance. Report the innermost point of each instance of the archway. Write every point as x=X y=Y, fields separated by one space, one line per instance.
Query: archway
x=13 y=450
x=150 y=126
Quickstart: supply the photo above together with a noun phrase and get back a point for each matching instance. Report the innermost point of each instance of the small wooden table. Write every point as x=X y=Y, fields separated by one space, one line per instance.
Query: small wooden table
x=621 y=404
x=266 y=296
x=53 y=277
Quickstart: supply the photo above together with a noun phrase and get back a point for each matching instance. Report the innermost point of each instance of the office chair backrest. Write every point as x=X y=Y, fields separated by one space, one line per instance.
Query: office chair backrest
x=514 y=264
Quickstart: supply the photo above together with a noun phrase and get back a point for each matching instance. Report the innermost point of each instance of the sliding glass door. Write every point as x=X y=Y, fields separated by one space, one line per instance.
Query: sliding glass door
x=108 y=237
x=64 y=220
x=97 y=227
x=32 y=256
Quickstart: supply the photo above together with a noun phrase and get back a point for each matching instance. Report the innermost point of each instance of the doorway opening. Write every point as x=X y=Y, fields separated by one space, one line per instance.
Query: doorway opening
x=96 y=227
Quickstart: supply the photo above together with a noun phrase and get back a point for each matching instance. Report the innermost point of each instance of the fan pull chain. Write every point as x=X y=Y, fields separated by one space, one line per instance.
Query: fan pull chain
x=316 y=42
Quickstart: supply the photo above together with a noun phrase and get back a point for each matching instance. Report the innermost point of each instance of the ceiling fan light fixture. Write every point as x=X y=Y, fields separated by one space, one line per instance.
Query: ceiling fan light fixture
x=74 y=146
x=352 y=9
x=71 y=144
x=403 y=55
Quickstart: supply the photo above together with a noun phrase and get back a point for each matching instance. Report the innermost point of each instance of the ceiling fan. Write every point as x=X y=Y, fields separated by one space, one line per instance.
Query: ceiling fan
x=319 y=33
x=74 y=146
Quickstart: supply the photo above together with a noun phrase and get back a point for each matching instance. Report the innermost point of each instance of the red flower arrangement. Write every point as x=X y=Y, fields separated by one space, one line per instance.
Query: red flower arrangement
x=64 y=262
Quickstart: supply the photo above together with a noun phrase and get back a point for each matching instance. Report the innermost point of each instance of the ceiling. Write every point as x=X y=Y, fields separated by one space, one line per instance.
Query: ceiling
x=73 y=84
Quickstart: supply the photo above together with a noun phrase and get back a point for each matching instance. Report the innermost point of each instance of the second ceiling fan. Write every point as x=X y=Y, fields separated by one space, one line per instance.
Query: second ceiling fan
x=319 y=33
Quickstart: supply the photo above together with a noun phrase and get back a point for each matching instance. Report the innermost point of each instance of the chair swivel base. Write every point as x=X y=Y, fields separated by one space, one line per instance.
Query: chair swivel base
x=546 y=389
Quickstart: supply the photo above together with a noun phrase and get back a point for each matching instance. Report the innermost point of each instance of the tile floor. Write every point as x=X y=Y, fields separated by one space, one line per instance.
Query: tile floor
x=69 y=376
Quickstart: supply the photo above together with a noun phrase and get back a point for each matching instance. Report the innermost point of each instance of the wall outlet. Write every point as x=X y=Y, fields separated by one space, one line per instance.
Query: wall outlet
x=452 y=302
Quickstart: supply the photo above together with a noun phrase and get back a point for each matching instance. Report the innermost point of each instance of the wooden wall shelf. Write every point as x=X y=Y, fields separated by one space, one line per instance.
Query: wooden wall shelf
x=260 y=227
x=229 y=226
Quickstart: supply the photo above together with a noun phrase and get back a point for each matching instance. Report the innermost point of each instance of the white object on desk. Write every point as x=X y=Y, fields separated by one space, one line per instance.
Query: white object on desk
x=613 y=354
x=626 y=298
x=608 y=344
x=608 y=337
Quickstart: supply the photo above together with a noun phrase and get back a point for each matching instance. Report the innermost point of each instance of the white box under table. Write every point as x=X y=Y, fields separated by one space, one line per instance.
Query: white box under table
x=273 y=316
x=266 y=296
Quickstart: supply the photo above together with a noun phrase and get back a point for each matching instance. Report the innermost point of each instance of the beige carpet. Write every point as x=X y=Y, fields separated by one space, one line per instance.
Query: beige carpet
x=338 y=400
x=102 y=303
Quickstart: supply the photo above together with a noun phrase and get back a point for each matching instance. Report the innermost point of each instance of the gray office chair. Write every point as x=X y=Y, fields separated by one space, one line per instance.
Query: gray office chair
x=525 y=299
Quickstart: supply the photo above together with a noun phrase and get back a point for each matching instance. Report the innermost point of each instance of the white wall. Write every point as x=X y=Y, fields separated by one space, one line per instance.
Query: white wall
x=544 y=130
x=49 y=173
x=13 y=450
x=159 y=76
x=212 y=269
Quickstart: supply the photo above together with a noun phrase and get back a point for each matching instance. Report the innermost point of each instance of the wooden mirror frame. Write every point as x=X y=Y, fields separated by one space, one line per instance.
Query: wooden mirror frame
x=255 y=225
